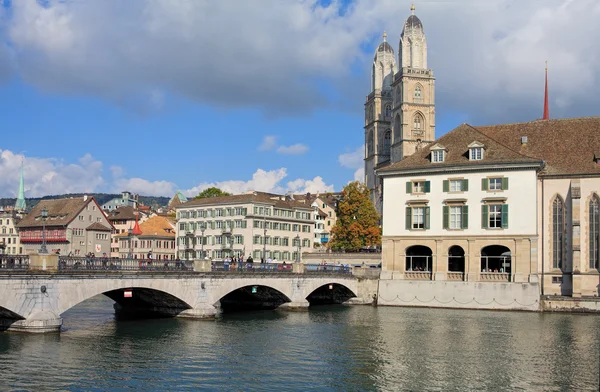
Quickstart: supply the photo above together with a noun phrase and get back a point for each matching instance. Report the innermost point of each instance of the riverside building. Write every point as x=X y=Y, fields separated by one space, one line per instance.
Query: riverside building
x=256 y=224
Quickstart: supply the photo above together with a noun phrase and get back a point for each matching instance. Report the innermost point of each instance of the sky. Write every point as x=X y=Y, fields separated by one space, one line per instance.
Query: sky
x=152 y=96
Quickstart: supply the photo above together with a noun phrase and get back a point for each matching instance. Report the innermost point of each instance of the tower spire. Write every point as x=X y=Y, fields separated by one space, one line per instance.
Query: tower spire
x=384 y=36
x=546 y=108
x=20 y=204
x=412 y=8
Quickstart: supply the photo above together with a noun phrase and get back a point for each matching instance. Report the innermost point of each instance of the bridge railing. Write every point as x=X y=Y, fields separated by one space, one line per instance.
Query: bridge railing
x=330 y=269
x=69 y=263
x=14 y=262
x=217 y=266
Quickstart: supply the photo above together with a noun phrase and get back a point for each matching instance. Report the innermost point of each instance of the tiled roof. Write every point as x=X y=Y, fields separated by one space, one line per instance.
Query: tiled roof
x=157 y=226
x=97 y=226
x=456 y=143
x=328 y=198
x=121 y=213
x=566 y=145
x=60 y=212
x=253 y=197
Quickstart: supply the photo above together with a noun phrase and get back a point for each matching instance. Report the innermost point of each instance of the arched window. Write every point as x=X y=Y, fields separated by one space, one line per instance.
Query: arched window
x=397 y=129
x=387 y=142
x=418 y=97
x=558 y=233
x=594 y=232
x=388 y=110
x=418 y=122
x=370 y=143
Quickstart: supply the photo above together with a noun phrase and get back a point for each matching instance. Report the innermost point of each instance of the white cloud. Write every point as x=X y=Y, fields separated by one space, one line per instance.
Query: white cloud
x=294 y=149
x=266 y=181
x=354 y=160
x=145 y=187
x=359 y=175
x=268 y=143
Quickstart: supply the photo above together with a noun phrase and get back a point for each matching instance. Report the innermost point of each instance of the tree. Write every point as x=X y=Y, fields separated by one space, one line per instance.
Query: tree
x=357 y=222
x=211 y=192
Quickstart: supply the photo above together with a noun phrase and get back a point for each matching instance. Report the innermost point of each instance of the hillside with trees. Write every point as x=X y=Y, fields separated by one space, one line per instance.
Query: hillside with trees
x=101 y=198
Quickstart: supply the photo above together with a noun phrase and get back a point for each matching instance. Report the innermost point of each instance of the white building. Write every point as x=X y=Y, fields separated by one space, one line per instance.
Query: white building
x=514 y=206
x=259 y=224
x=126 y=200
x=9 y=235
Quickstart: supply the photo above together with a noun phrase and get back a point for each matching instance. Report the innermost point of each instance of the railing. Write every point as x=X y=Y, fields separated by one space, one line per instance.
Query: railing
x=328 y=269
x=417 y=275
x=67 y=263
x=222 y=266
x=494 y=277
x=14 y=262
x=455 y=276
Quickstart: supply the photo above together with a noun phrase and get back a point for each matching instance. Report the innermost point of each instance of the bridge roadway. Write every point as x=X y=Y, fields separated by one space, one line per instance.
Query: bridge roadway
x=34 y=297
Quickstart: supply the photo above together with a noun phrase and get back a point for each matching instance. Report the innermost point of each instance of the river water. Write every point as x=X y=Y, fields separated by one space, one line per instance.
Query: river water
x=335 y=348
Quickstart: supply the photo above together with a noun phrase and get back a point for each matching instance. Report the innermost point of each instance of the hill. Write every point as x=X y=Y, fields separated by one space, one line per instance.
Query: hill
x=101 y=198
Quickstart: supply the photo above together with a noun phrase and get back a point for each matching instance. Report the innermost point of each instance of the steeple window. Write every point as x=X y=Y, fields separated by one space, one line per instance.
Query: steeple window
x=418 y=96
x=388 y=110
x=417 y=123
x=387 y=142
x=370 y=143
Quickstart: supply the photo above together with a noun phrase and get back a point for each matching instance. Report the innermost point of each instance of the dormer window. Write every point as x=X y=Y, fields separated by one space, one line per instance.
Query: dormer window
x=438 y=153
x=476 y=151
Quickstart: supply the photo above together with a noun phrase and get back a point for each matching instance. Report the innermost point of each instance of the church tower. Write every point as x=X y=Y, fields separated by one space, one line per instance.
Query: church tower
x=400 y=110
x=378 y=114
x=20 y=204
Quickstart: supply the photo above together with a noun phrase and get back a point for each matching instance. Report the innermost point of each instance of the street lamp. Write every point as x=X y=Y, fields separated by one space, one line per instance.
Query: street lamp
x=265 y=238
x=202 y=228
x=44 y=217
x=298 y=242
x=130 y=232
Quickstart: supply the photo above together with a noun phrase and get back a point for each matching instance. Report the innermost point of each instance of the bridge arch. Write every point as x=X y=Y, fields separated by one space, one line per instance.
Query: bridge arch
x=330 y=291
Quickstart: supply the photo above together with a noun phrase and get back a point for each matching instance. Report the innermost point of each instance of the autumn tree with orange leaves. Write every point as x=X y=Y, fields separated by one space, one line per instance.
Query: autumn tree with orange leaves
x=357 y=222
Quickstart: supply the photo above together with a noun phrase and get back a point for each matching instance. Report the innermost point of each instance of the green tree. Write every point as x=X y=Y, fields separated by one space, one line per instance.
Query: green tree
x=211 y=192
x=357 y=222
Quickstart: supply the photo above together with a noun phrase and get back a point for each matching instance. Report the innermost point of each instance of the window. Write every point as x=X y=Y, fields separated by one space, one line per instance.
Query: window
x=417 y=218
x=418 y=187
x=456 y=185
x=494 y=184
x=456 y=217
x=437 y=156
x=388 y=110
x=594 y=232
x=417 y=123
x=418 y=95
x=476 y=153
x=387 y=142
x=494 y=216
x=558 y=229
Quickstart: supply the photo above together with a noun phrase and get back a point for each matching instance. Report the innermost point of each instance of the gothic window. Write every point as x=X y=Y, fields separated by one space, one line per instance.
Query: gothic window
x=558 y=233
x=418 y=122
x=594 y=230
x=370 y=143
x=397 y=129
x=387 y=142
x=418 y=94
x=388 y=110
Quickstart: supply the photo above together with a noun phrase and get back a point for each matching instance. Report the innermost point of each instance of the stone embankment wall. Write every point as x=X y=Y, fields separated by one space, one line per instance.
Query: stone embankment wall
x=342 y=258
x=569 y=304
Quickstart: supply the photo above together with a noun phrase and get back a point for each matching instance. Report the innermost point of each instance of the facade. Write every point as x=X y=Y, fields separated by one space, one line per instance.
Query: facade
x=126 y=200
x=156 y=235
x=9 y=235
x=75 y=226
x=400 y=109
x=259 y=224
x=515 y=204
x=324 y=206
x=122 y=219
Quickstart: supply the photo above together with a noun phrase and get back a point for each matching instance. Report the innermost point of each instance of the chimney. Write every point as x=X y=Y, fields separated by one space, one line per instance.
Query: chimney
x=523 y=140
x=85 y=197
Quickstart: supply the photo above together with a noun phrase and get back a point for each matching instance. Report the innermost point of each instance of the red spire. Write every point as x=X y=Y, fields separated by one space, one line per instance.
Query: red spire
x=546 y=108
x=136 y=229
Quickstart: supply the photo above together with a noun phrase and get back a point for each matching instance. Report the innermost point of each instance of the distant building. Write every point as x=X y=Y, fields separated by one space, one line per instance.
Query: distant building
x=156 y=236
x=324 y=206
x=256 y=223
x=126 y=200
x=9 y=235
x=74 y=226
x=176 y=200
x=122 y=219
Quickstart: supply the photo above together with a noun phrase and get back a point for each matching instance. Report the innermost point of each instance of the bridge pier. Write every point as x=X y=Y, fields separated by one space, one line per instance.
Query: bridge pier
x=39 y=322
x=203 y=312
x=295 y=306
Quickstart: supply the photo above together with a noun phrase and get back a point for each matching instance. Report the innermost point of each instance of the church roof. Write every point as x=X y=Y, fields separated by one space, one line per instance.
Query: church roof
x=385 y=47
x=413 y=22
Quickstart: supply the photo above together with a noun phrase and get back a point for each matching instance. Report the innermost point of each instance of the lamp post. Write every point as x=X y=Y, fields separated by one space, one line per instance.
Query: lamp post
x=130 y=232
x=265 y=238
x=202 y=228
x=44 y=217
x=298 y=242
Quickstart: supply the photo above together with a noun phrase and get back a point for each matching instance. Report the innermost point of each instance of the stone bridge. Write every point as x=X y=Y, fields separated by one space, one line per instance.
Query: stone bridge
x=34 y=300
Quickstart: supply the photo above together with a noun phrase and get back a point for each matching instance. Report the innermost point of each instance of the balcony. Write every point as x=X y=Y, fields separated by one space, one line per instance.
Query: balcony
x=455 y=276
x=417 y=275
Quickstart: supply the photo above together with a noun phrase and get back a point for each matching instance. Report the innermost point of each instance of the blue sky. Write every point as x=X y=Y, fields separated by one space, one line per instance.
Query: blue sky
x=154 y=96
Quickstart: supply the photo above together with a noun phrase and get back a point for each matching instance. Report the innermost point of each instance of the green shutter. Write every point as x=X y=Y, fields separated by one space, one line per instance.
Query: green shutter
x=409 y=187
x=484 y=216
x=244 y=224
x=426 y=211
x=465 y=185
x=465 y=217
x=484 y=184
x=446 y=186
x=408 y=217
x=427 y=186
x=446 y=218
x=505 y=216
x=505 y=183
